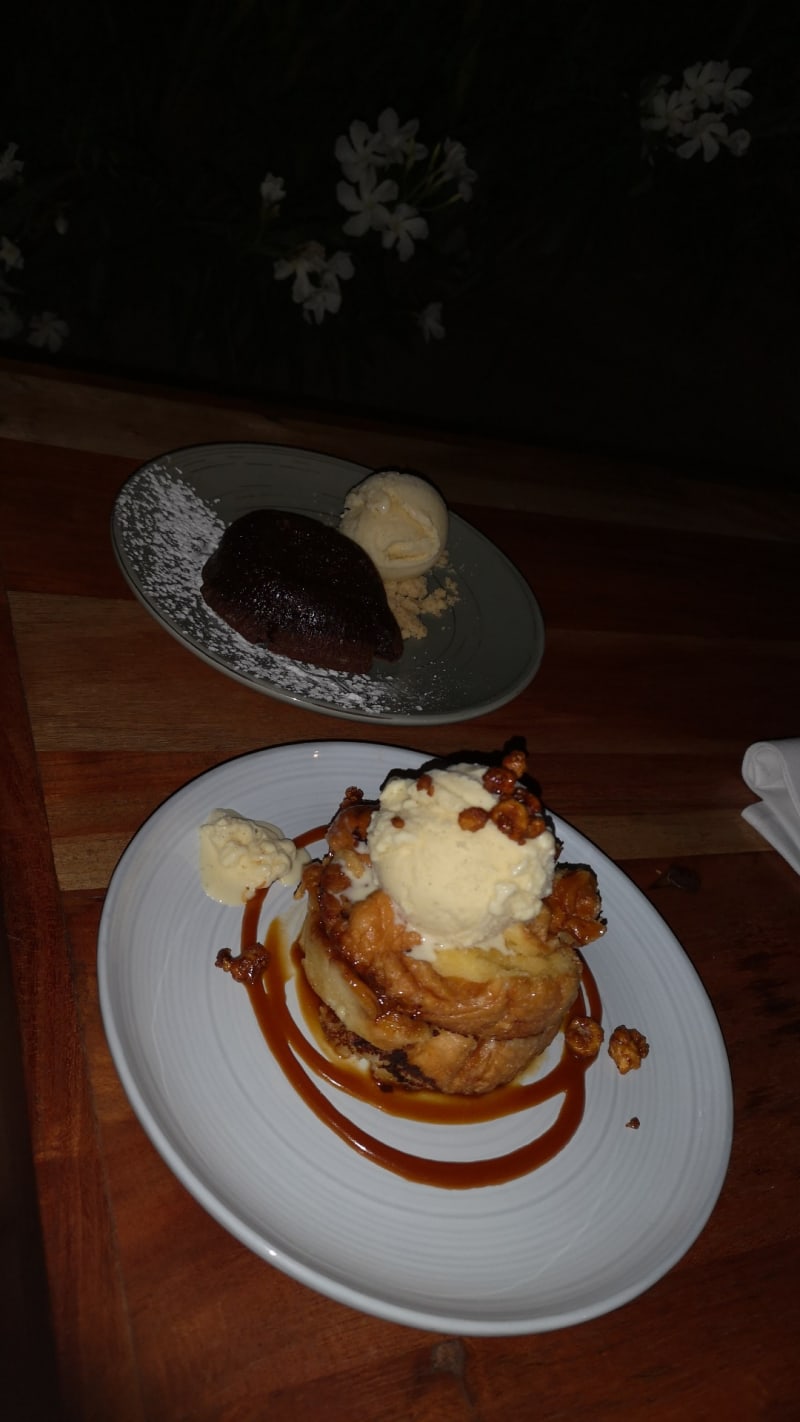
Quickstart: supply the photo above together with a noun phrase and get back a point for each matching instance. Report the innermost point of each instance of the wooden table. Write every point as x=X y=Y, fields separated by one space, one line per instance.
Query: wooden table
x=671 y=607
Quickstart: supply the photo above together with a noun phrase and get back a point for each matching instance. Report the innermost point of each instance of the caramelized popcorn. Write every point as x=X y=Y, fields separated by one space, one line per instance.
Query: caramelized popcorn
x=627 y=1049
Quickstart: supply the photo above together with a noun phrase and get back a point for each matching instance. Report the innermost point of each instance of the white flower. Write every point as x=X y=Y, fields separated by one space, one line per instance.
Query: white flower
x=402 y=226
x=733 y=96
x=738 y=142
x=47 y=331
x=10 y=322
x=362 y=150
x=455 y=167
x=10 y=254
x=307 y=260
x=704 y=82
x=669 y=113
x=706 y=133
x=316 y=279
x=10 y=164
x=272 y=190
x=697 y=112
x=430 y=322
x=325 y=297
x=398 y=143
x=368 y=204
x=340 y=265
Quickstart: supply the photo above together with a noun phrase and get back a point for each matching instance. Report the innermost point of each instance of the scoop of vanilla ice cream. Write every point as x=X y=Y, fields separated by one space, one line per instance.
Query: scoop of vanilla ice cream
x=399 y=520
x=239 y=856
x=456 y=888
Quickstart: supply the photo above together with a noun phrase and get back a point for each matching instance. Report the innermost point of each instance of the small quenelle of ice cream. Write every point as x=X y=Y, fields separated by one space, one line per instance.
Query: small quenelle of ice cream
x=239 y=856
x=455 y=887
x=400 y=520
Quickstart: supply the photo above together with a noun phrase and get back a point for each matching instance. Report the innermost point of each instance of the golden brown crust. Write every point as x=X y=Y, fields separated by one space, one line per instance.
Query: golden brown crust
x=401 y=1047
x=573 y=906
x=426 y=1027
x=473 y=1018
x=513 y=1002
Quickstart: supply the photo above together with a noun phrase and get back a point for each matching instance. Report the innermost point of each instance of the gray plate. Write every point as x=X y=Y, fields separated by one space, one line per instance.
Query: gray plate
x=170 y=515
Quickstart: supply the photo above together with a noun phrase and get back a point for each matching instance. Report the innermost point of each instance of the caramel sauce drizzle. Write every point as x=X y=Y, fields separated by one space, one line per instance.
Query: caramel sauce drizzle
x=301 y=1061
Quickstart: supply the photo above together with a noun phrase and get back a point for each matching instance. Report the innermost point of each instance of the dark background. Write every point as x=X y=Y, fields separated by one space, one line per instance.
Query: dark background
x=594 y=297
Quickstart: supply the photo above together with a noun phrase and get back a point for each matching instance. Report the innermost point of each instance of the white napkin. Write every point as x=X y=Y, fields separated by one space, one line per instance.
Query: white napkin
x=772 y=770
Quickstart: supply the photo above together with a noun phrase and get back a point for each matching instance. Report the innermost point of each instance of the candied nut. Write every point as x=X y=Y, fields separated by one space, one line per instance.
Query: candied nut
x=499 y=780
x=518 y=813
x=425 y=783
x=633 y=1124
x=584 y=1036
x=398 y=822
x=536 y=820
x=519 y=816
x=352 y=796
x=350 y=823
x=574 y=905
x=627 y=1049
x=472 y=819
x=250 y=965
x=516 y=761
x=527 y=797
x=512 y=819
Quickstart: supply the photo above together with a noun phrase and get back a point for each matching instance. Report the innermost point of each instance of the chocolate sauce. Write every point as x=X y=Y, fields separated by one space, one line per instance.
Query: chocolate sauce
x=301 y=1061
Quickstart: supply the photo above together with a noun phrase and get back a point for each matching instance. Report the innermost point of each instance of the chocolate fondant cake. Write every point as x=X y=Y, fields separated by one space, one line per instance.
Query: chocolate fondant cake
x=302 y=589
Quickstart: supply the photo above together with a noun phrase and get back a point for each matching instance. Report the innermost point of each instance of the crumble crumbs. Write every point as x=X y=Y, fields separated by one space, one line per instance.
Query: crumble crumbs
x=411 y=599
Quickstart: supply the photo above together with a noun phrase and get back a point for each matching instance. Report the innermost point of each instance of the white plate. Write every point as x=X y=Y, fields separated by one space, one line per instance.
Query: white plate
x=169 y=517
x=586 y=1232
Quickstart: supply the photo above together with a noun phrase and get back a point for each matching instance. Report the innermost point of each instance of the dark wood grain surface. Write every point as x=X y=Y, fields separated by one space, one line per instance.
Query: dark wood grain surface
x=672 y=615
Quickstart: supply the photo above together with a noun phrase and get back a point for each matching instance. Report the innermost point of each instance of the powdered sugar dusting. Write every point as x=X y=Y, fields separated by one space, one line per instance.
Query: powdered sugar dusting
x=163 y=534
